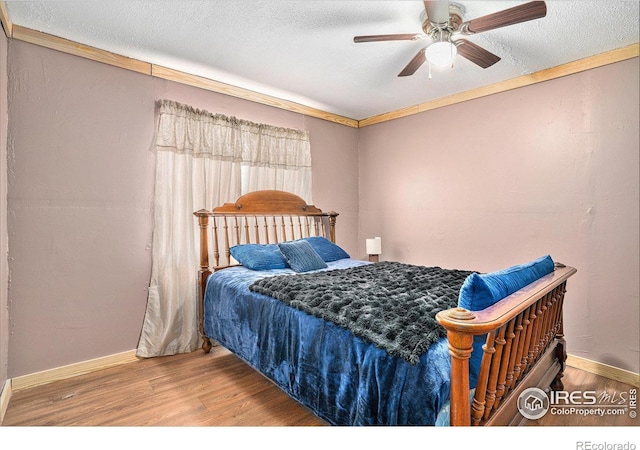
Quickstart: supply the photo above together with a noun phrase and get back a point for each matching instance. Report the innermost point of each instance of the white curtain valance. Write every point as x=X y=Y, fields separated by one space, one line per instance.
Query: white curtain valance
x=184 y=129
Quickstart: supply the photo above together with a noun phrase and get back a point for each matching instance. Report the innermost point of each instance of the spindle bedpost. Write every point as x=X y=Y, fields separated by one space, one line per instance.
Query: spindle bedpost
x=203 y=273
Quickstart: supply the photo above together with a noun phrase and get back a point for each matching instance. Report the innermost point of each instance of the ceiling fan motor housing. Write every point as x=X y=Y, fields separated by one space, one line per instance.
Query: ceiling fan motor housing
x=456 y=12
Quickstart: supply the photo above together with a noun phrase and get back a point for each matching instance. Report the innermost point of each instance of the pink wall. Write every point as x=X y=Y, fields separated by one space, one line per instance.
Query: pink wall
x=80 y=199
x=80 y=196
x=550 y=168
x=472 y=185
x=4 y=271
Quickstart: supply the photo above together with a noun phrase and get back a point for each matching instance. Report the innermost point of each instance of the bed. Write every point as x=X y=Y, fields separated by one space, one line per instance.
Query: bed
x=383 y=343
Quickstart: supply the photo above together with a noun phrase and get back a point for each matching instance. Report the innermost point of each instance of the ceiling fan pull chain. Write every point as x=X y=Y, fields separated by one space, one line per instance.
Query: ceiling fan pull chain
x=452 y=55
x=429 y=70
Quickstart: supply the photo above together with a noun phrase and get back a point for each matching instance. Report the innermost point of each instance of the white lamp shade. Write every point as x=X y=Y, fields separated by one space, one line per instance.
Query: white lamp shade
x=441 y=53
x=374 y=246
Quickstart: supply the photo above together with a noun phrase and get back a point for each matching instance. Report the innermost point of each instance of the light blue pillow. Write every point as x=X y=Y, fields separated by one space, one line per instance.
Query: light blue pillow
x=301 y=256
x=481 y=291
x=259 y=256
x=327 y=250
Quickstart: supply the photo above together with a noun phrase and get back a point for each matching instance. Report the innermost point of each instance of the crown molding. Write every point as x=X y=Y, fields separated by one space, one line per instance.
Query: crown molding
x=85 y=51
x=234 y=91
x=73 y=48
x=4 y=20
x=610 y=57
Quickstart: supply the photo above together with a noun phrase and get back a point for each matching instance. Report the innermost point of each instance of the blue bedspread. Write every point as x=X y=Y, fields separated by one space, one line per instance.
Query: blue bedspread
x=340 y=377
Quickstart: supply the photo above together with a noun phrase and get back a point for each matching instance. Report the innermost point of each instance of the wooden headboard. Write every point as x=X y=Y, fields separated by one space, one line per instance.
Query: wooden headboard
x=259 y=217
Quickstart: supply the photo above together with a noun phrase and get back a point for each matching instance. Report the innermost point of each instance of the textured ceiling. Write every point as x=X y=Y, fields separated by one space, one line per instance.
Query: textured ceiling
x=303 y=50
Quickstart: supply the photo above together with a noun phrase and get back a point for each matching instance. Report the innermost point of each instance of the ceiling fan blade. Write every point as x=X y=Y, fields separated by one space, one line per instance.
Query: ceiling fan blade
x=476 y=54
x=437 y=11
x=510 y=16
x=389 y=37
x=414 y=64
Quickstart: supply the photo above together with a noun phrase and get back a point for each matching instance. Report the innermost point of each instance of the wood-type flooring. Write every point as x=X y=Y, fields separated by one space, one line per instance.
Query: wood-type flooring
x=215 y=389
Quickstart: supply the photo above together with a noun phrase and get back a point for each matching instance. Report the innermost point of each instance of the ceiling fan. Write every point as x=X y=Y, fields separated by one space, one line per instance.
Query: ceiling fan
x=443 y=24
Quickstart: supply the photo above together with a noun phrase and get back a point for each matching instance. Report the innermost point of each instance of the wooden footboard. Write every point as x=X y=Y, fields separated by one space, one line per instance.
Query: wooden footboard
x=524 y=348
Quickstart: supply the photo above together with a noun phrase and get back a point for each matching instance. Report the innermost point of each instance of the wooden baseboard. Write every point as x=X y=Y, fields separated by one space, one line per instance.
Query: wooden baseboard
x=5 y=396
x=72 y=370
x=605 y=370
x=61 y=373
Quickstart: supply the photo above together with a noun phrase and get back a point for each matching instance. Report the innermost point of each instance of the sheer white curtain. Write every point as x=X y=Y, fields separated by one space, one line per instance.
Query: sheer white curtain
x=204 y=160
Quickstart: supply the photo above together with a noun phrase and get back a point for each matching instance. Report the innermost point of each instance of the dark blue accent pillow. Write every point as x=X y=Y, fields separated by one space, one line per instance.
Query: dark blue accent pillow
x=481 y=291
x=301 y=256
x=259 y=256
x=327 y=250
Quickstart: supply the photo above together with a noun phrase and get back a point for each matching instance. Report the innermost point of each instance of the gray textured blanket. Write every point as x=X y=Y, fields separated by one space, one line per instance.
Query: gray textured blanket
x=390 y=304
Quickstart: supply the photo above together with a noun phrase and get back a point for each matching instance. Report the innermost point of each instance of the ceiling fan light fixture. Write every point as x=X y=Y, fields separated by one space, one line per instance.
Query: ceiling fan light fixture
x=442 y=23
x=441 y=54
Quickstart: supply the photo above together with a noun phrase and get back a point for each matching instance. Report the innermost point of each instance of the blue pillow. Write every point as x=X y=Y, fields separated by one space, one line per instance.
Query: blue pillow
x=327 y=250
x=481 y=291
x=300 y=256
x=259 y=256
